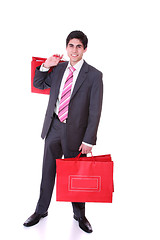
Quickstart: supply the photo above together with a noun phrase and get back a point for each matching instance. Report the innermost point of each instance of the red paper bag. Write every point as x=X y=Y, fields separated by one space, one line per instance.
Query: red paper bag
x=85 y=179
x=37 y=61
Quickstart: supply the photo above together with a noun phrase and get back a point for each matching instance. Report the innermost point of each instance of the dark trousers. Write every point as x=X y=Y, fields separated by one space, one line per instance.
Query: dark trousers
x=55 y=148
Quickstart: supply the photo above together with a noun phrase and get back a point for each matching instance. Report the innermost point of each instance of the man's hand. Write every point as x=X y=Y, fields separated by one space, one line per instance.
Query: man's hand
x=85 y=149
x=52 y=61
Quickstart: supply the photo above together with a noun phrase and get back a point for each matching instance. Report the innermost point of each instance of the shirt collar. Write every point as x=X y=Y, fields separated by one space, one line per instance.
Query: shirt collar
x=78 y=65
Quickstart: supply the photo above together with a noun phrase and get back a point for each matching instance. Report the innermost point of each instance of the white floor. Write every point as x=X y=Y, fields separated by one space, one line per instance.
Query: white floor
x=132 y=215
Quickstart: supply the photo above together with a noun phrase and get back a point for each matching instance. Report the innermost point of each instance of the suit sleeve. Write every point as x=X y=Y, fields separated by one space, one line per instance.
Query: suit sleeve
x=43 y=80
x=95 y=108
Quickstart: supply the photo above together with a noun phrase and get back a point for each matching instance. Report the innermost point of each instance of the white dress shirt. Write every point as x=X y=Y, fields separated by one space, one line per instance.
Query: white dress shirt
x=77 y=67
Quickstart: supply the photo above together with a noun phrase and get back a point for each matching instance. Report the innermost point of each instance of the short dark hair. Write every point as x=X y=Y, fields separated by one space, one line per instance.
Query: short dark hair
x=79 y=35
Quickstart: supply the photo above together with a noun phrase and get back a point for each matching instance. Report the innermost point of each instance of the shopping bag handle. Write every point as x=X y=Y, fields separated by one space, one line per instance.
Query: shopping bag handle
x=78 y=156
x=38 y=59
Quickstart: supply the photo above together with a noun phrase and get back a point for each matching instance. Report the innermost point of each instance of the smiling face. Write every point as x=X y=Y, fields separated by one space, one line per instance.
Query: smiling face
x=75 y=50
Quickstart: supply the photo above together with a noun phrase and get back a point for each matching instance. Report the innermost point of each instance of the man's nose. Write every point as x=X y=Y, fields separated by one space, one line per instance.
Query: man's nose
x=74 y=49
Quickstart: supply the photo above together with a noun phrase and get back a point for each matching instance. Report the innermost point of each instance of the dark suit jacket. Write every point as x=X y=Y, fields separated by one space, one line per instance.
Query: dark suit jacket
x=85 y=103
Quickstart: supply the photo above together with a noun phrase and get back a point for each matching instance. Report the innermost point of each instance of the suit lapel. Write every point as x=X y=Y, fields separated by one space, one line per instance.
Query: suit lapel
x=80 y=79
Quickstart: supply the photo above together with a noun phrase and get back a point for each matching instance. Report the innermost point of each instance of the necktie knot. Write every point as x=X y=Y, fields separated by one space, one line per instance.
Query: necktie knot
x=72 y=69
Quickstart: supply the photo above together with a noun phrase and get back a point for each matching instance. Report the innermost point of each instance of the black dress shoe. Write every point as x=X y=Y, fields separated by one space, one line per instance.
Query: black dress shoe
x=34 y=219
x=84 y=224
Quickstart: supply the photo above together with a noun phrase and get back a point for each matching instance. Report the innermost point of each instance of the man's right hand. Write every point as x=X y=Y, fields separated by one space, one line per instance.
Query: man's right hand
x=52 y=61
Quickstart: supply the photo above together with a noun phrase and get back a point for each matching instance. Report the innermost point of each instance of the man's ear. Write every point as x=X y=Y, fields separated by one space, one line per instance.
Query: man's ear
x=85 y=50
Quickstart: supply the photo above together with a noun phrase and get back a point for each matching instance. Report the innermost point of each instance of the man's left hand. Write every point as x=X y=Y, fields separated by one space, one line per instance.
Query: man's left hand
x=85 y=149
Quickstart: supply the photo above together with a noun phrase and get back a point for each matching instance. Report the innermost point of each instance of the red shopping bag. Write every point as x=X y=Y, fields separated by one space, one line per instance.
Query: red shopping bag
x=37 y=61
x=85 y=179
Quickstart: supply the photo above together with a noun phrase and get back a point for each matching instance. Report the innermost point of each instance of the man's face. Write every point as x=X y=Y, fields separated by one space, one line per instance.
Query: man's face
x=75 y=50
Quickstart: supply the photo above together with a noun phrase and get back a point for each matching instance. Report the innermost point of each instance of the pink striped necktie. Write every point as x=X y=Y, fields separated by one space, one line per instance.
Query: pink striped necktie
x=65 y=97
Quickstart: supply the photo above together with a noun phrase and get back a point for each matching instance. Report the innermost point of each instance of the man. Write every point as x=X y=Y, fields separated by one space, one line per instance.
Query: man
x=71 y=120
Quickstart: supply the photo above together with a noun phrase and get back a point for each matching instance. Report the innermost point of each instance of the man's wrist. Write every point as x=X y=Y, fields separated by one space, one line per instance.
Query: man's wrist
x=87 y=144
x=43 y=68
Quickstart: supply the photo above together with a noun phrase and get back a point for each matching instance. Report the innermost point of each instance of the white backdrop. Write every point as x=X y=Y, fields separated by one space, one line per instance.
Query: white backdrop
x=124 y=43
